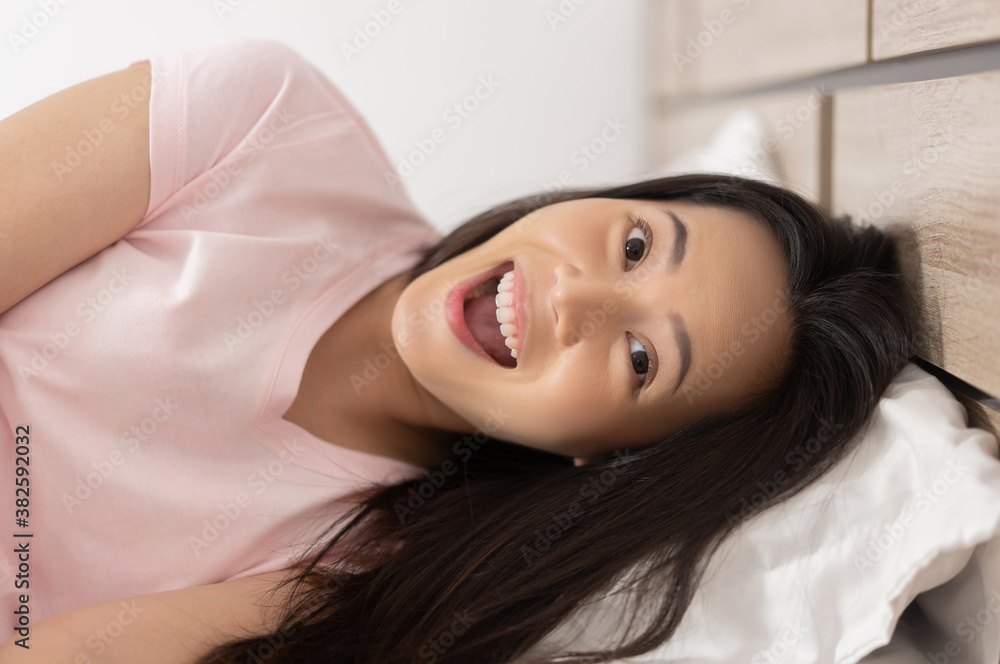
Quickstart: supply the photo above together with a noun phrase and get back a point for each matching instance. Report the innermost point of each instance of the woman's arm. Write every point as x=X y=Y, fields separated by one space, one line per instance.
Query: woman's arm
x=173 y=627
x=75 y=174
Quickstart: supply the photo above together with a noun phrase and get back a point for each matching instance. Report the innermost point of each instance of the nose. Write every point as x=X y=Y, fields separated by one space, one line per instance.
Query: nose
x=583 y=305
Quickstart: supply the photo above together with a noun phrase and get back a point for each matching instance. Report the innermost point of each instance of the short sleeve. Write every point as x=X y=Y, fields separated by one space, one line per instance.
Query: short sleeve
x=220 y=103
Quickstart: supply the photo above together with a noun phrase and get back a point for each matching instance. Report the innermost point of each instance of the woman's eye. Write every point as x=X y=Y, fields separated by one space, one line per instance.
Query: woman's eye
x=640 y=358
x=636 y=244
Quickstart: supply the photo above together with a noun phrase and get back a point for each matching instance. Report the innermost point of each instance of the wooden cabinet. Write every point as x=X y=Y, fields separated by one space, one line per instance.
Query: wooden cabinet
x=901 y=27
x=927 y=155
x=708 y=46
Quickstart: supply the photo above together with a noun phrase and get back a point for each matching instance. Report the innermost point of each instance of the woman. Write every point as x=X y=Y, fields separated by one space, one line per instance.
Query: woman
x=591 y=384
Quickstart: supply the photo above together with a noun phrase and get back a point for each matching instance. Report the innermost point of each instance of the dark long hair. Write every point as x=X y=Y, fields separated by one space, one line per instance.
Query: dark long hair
x=491 y=558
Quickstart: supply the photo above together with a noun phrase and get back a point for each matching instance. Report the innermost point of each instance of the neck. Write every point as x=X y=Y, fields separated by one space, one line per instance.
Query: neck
x=357 y=392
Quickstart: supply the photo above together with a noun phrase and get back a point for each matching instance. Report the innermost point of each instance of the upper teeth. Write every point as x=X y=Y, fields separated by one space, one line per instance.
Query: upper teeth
x=505 y=312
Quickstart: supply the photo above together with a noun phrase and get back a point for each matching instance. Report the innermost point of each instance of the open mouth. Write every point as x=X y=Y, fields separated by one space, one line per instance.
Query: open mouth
x=484 y=306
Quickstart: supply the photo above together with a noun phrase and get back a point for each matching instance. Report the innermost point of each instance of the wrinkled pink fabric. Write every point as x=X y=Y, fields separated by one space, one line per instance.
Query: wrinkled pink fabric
x=154 y=375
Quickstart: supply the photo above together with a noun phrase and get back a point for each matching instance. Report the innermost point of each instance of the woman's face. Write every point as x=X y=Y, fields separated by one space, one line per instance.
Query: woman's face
x=621 y=338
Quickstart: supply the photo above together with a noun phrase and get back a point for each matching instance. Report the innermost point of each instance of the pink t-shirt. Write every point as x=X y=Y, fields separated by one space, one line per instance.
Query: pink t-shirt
x=154 y=375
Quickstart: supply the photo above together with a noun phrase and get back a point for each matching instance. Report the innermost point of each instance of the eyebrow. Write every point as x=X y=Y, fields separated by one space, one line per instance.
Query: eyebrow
x=677 y=323
x=680 y=240
x=684 y=344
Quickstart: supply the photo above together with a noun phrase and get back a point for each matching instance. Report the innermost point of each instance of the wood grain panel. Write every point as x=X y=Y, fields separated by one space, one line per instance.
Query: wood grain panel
x=925 y=157
x=675 y=77
x=900 y=27
x=793 y=121
x=709 y=46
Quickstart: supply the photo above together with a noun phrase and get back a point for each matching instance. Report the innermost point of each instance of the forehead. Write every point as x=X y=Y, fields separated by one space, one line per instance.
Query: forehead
x=730 y=292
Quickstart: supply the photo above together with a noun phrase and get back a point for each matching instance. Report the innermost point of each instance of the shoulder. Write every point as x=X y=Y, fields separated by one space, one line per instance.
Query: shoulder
x=248 y=63
x=257 y=57
x=243 y=76
x=253 y=107
x=172 y=627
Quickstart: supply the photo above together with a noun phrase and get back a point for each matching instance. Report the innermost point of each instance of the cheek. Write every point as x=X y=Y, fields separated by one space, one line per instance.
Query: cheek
x=408 y=327
x=565 y=409
x=420 y=333
x=587 y=413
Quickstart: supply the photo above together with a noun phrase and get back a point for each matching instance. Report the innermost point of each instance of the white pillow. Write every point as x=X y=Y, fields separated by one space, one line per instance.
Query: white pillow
x=734 y=149
x=825 y=576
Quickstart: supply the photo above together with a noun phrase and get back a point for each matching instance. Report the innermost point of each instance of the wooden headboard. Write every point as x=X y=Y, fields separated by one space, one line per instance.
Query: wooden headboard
x=885 y=110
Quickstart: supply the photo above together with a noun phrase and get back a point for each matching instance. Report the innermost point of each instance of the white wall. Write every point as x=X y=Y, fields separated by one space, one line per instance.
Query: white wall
x=565 y=68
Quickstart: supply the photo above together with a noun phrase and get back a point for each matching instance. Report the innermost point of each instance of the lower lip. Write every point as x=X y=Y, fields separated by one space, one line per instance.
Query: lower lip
x=454 y=308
